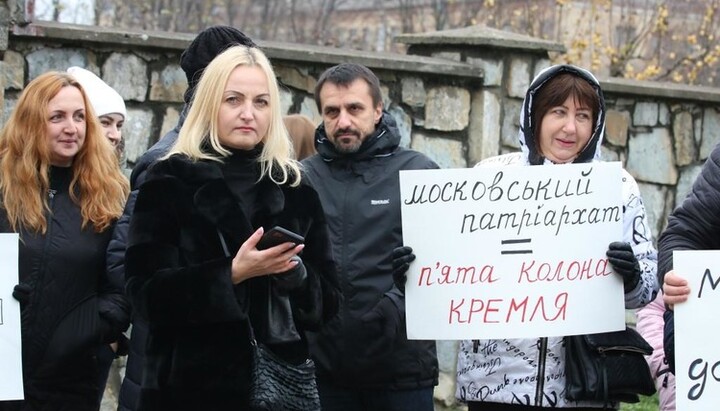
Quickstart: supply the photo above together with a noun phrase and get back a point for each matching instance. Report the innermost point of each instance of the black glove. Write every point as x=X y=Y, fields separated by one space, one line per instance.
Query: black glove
x=623 y=261
x=380 y=328
x=21 y=292
x=402 y=257
x=123 y=346
x=293 y=278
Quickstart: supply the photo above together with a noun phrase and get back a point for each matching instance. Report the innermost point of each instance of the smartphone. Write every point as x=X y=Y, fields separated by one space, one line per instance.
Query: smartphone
x=278 y=235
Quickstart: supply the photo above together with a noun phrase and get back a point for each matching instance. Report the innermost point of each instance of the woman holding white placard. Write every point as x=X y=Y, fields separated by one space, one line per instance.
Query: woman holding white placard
x=562 y=122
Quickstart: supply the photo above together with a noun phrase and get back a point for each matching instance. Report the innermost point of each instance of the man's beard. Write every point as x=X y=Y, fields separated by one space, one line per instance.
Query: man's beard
x=348 y=148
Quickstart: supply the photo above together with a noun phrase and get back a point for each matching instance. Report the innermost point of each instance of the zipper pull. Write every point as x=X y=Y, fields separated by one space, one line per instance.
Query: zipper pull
x=51 y=193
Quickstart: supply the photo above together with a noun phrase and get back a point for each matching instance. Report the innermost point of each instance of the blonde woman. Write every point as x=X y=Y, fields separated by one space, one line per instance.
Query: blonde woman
x=61 y=191
x=193 y=268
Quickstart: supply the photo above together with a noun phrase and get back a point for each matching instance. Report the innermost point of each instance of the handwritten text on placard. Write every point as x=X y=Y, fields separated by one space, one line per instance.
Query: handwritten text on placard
x=512 y=251
x=697 y=365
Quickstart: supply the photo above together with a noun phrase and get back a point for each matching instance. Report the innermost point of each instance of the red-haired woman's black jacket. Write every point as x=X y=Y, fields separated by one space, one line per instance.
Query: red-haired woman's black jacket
x=71 y=308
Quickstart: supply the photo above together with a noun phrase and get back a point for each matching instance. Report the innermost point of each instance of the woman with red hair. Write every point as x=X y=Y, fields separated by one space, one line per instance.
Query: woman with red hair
x=61 y=191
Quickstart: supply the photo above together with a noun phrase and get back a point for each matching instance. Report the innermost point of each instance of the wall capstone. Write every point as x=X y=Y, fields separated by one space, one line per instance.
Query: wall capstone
x=447 y=55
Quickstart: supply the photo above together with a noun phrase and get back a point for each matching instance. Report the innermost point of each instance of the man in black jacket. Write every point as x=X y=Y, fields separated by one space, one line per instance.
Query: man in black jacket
x=691 y=226
x=208 y=44
x=364 y=359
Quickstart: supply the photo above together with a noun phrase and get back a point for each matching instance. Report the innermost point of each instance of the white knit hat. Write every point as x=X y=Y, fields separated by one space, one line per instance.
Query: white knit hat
x=104 y=99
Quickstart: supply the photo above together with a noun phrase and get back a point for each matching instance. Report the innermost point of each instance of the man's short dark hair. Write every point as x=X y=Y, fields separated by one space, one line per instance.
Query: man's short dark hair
x=344 y=74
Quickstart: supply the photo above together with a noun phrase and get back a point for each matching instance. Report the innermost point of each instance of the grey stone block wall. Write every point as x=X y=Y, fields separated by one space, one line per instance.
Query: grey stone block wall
x=459 y=106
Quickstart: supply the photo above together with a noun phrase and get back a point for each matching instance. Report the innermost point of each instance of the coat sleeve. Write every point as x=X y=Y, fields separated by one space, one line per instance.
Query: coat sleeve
x=118 y=244
x=694 y=224
x=636 y=231
x=166 y=285
x=319 y=300
x=390 y=311
x=113 y=306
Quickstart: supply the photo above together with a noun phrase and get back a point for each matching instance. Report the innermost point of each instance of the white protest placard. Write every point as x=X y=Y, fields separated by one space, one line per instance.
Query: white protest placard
x=11 y=387
x=697 y=358
x=512 y=252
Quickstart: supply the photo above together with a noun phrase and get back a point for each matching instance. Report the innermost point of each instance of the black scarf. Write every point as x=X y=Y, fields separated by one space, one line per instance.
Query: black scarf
x=241 y=172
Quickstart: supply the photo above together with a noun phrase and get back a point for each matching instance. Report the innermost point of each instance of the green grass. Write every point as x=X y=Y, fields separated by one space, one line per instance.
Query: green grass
x=645 y=404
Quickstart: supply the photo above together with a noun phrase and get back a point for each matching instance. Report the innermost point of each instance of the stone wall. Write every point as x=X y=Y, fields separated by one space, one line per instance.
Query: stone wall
x=456 y=96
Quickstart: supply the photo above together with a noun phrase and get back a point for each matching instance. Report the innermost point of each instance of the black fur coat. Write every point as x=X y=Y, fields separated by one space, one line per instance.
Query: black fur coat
x=178 y=279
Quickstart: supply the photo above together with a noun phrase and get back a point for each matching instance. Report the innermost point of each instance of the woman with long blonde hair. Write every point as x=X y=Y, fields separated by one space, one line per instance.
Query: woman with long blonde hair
x=61 y=190
x=195 y=271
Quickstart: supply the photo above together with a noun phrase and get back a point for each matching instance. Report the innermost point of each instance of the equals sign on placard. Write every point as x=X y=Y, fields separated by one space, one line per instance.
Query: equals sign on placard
x=519 y=243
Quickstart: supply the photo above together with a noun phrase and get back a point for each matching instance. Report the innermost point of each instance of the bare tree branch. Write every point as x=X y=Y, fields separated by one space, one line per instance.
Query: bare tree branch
x=440 y=11
x=326 y=11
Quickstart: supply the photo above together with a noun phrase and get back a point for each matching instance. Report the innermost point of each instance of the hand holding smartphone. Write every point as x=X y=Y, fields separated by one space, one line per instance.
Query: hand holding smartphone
x=278 y=235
